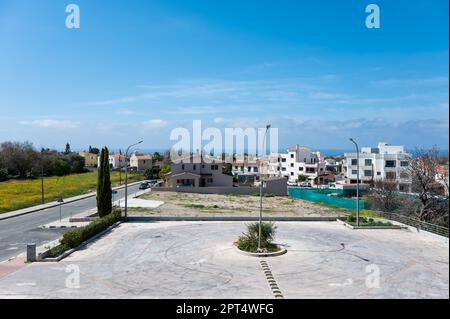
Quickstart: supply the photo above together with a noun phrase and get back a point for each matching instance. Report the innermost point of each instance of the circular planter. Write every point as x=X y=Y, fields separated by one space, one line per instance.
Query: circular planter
x=282 y=251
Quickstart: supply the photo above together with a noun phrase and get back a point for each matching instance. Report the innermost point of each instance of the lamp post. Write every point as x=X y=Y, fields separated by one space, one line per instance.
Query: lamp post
x=357 y=181
x=60 y=201
x=42 y=177
x=126 y=177
x=261 y=189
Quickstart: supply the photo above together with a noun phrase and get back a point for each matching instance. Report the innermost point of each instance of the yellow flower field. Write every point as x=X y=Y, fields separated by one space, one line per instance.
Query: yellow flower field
x=26 y=193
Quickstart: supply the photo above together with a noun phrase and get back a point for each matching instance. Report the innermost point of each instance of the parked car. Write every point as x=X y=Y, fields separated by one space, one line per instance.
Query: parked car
x=305 y=184
x=144 y=185
x=292 y=183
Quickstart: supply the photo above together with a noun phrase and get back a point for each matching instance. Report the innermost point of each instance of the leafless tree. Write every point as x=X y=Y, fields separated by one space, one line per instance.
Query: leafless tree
x=384 y=195
x=423 y=169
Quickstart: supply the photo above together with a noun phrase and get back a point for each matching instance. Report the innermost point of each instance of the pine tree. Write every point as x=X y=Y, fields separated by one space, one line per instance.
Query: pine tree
x=68 y=148
x=104 y=194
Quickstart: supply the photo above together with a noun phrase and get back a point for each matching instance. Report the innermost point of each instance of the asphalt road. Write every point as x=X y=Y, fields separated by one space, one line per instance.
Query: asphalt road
x=17 y=232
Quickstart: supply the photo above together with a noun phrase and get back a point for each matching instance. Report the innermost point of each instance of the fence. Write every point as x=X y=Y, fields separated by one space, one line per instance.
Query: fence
x=432 y=228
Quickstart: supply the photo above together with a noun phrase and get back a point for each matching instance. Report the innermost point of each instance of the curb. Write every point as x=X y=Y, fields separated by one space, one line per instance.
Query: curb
x=41 y=256
x=398 y=227
x=228 y=219
x=275 y=254
x=55 y=204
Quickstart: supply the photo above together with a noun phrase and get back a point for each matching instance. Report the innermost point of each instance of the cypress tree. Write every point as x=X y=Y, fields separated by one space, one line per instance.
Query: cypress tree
x=104 y=194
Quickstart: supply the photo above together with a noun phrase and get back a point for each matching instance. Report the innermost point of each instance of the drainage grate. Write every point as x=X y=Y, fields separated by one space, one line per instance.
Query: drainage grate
x=276 y=291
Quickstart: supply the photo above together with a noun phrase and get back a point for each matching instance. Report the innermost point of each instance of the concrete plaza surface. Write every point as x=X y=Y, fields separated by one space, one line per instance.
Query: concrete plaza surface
x=197 y=260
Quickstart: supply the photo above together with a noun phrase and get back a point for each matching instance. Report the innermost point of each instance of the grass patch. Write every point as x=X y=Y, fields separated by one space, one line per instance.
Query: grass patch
x=264 y=195
x=195 y=206
x=18 y=194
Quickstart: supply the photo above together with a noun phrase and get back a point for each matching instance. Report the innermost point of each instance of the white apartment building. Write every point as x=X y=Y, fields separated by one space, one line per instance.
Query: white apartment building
x=298 y=161
x=116 y=161
x=385 y=162
x=245 y=168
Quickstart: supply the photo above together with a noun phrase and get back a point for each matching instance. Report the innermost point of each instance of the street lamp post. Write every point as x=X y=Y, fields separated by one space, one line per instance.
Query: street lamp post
x=126 y=177
x=357 y=181
x=261 y=189
x=60 y=201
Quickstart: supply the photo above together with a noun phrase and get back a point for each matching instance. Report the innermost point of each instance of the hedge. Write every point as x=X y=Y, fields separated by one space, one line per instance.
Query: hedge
x=75 y=238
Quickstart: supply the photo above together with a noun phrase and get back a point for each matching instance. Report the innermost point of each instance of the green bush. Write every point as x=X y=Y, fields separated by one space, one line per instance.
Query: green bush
x=76 y=237
x=249 y=241
x=3 y=174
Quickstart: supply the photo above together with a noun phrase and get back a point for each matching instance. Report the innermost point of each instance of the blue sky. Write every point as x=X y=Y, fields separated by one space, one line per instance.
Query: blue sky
x=138 y=69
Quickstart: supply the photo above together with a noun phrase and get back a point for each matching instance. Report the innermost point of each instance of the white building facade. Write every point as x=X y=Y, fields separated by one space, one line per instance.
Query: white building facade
x=299 y=162
x=385 y=162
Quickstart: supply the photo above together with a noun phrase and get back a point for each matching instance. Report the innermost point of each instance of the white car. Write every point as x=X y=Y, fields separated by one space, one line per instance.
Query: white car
x=305 y=184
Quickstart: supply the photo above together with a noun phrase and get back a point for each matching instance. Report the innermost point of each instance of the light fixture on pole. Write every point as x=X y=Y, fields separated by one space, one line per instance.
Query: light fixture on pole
x=126 y=177
x=261 y=188
x=357 y=181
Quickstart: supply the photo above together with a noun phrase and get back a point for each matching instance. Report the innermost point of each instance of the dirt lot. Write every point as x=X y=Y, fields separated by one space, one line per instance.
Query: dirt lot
x=185 y=204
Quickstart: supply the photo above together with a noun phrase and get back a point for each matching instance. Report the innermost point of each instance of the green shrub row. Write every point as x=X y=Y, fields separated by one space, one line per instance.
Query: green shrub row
x=75 y=238
x=367 y=221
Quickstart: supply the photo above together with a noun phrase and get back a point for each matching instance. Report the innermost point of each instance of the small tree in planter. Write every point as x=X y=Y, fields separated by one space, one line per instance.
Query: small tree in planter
x=249 y=240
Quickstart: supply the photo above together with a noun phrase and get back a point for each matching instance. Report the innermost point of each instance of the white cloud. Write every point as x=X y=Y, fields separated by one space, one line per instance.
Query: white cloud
x=196 y=110
x=438 y=80
x=51 y=123
x=155 y=123
x=126 y=112
x=219 y=120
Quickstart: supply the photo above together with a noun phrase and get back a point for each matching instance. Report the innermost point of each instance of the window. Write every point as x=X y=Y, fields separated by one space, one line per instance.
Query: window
x=182 y=167
x=210 y=180
x=368 y=162
x=283 y=169
x=354 y=172
x=310 y=170
x=292 y=173
x=214 y=167
x=404 y=163
x=283 y=160
x=292 y=155
x=292 y=164
x=278 y=169
x=300 y=168
x=390 y=164
x=195 y=167
x=367 y=173
x=391 y=175
x=255 y=169
x=354 y=161
x=378 y=173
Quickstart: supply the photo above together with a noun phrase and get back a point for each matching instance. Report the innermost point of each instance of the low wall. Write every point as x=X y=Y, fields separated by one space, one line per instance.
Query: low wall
x=223 y=190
